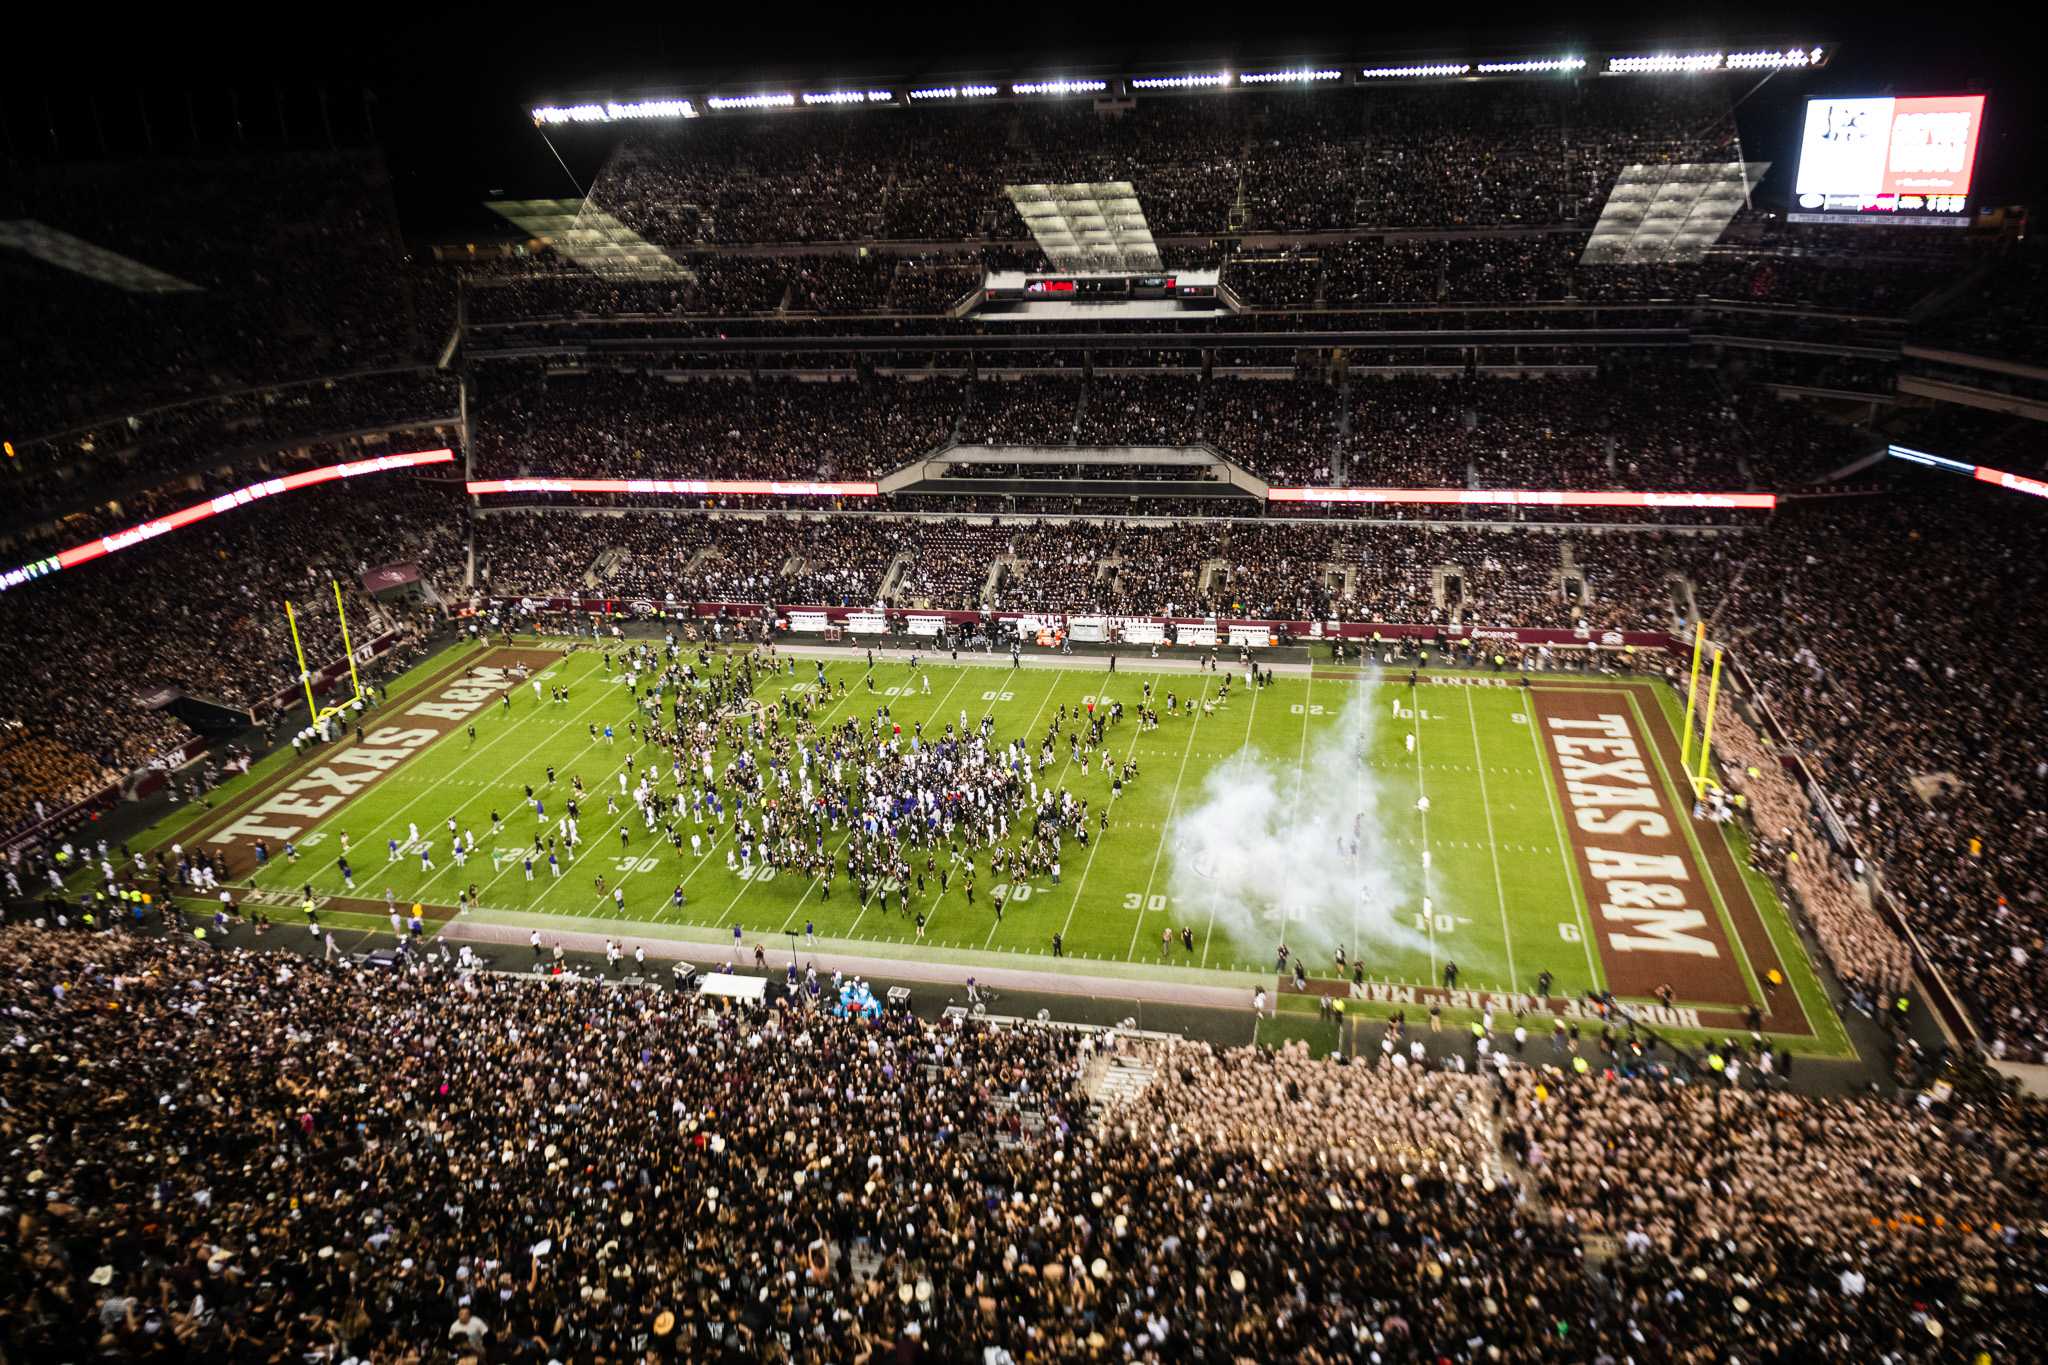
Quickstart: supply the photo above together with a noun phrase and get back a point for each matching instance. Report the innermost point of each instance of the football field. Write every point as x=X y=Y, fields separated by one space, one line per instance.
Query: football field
x=1464 y=822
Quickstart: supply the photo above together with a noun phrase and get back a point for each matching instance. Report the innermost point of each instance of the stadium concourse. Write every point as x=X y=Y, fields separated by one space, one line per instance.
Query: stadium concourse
x=1418 y=431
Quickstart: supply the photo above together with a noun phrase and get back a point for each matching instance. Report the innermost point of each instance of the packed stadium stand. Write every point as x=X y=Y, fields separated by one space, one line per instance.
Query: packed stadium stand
x=220 y=1154
x=380 y=1165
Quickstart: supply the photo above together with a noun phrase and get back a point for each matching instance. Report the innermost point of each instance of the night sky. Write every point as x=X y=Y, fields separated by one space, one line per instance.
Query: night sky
x=450 y=89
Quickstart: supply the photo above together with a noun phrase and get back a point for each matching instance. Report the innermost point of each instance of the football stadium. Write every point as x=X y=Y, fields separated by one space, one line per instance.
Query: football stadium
x=1367 y=702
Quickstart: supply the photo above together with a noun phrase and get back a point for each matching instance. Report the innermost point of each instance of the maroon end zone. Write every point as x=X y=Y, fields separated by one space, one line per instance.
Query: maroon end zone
x=292 y=801
x=1644 y=887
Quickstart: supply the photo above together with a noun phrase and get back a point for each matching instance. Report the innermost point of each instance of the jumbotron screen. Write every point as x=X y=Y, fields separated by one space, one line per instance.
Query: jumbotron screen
x=1888 y=160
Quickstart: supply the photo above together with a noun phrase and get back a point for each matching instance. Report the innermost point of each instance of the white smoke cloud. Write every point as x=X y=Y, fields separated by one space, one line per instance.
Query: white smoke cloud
x=1266 y=847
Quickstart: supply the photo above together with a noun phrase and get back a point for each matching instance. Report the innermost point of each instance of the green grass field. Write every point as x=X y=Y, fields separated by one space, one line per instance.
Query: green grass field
x=1505 y=900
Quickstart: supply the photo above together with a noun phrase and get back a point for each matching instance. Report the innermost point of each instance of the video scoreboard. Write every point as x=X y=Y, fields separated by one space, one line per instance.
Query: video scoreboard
x=1887 y=159
x=1007 y=286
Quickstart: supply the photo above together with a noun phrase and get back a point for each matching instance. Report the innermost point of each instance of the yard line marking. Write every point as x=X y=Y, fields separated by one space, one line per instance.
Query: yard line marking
x=1208 y=928
x=614 y=770
x=434 y=784
x=1089 y=865
x=1500 y=891
x=1301 y=758
x=1564 y=844
x=719 y=834
x=1422 y=816
x=1031 y=775
x=938 y=712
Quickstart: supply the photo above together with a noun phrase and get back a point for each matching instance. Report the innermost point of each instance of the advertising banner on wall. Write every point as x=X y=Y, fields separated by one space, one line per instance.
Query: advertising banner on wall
x=1088 y=630
x=1255 y=637
x=1142 y=631
x=926 y=625
x=1201 y=633
x=867 y=623
x=807 y=620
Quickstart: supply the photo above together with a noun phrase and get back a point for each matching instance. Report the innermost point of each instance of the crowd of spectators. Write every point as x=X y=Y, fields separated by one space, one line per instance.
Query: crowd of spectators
x=1868 y=957
x=1897 y=640
x=293 y=259
x=1623 y=426
x=1033 y=411
x=1140 y=410
x=1276 y=570
x=2000 y=314
x=466 y=1166
x=952 y=564
x=200 y=612
x=122 y=456
x=1654 y=427
x=1802 y=1220
x=621 y=424
x=1440 y=156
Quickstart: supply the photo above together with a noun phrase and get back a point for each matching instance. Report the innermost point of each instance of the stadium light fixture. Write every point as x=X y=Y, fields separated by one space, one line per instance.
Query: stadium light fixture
x=1438 y=69
x=1774 y=61
x=848 y=97
x=1665 y=63
x=614 y=111
x=1058 y=87
x=574 y=113
x=1301 y=76
x=955 y=92
x=752 y=101
x=1188 y=82
x=1531 y=67
x=1670 y=63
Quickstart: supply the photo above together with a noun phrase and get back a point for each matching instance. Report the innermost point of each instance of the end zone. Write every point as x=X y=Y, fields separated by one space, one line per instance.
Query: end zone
x=315 y=788
x=1665 y=902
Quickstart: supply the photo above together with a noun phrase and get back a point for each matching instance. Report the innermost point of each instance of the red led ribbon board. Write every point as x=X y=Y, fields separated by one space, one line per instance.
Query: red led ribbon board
x=683 y=487
x=1512 y=497
x=226 y=502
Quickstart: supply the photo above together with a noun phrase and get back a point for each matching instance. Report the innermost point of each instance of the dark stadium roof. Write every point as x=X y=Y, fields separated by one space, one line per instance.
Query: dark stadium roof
x=452 y=87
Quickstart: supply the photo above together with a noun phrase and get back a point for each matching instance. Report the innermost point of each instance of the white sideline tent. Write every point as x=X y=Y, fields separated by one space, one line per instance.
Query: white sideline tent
x=731 y=985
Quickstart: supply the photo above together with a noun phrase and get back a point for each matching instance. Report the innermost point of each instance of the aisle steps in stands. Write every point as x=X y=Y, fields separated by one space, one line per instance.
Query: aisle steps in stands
x=1340 y=453
x=1684 y=598
x=994 y=580
x=1113 y=1078
x=1439 y=587
x=892 y=577
x=605 y=565
x=1210 y=568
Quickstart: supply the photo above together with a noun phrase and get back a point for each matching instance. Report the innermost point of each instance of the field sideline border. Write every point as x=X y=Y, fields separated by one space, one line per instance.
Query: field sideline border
x=1717 y=855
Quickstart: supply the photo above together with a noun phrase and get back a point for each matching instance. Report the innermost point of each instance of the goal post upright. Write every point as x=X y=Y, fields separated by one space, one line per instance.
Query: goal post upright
x=305 y=673
x=355 y=684
x=1707 y=733
x=1692 y=690
x=315 y=715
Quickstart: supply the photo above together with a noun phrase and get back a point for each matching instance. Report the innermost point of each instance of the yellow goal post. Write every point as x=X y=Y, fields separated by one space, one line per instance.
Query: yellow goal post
x=317 y=714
